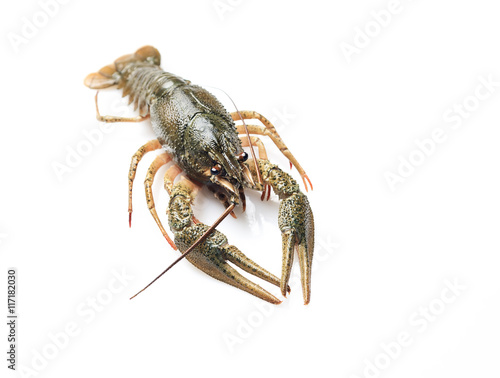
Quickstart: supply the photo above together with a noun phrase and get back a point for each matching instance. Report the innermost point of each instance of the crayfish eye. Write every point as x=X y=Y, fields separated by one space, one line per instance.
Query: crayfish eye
x=216 y=169
x=243 y=156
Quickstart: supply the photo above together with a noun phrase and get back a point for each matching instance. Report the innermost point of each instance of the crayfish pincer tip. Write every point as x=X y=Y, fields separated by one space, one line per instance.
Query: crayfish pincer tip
x=130 y=220
x=172 y=244
x=304 y=178
x=273 y=300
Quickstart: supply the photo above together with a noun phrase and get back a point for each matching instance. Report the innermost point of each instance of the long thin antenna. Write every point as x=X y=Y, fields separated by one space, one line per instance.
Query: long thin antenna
x=195 y=244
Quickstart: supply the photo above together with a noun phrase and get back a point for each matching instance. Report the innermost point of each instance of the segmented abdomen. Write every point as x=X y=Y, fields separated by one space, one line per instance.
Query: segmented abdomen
x=145 y=82
x=140 y=76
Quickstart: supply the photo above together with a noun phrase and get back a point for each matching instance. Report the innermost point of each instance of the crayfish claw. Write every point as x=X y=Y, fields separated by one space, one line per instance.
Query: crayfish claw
x=297 y=228
x=212 y=255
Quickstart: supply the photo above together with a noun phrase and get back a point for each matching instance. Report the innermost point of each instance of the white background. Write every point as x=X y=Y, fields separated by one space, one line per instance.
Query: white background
x=383 y=256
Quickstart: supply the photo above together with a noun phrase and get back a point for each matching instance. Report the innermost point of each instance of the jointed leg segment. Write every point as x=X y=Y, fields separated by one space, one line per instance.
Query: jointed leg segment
x=255 y=142
x=159 y=161
x=108 y=118
x=262 y=155
x=269 y=130
x=152 y=145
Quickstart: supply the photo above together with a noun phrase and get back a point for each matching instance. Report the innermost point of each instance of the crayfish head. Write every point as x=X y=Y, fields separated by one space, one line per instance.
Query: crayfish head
x=215 y=154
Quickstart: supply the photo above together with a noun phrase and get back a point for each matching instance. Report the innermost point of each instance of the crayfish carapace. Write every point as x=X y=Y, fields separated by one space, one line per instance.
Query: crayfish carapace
x=200 y=138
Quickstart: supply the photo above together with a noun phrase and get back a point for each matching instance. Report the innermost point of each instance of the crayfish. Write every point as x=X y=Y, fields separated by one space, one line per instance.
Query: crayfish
x=197 y=136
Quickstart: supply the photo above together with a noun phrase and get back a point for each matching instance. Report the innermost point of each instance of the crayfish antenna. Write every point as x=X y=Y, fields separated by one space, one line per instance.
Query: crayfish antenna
x=193 y=246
